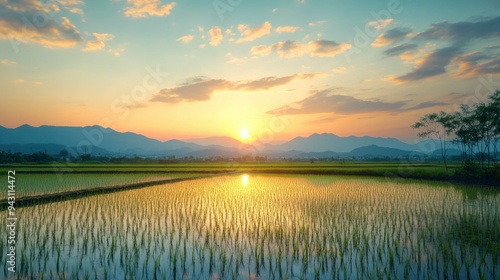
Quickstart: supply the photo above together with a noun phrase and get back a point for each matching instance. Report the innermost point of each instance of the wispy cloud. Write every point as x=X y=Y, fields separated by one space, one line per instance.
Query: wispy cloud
x=78 y=11
x=7 y=62
x=146 y=8
x=317 y=23
x=70 y=2
x=476 y=63
x=286 y=29
x=391 y=36
x=186 y=38
x=116 y=51
x=327 y=101
x=248 y=34
x=202 y=88
x=340 y=69
x=400 y=49
x=380 y=24
x=98 y=43
x=462 y=32
x=431 y=65
x=321 y=48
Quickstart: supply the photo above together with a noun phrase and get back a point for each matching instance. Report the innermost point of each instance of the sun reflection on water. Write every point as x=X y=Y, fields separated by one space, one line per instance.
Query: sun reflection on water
x=244 y=180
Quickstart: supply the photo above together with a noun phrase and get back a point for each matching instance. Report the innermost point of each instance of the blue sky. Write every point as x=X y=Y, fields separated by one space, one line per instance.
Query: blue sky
x=191 y=69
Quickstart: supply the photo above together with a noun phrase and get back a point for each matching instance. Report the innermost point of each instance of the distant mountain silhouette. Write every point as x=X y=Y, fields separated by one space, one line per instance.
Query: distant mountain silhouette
x=223 y=141
x=106 y=141
x=52 y=149
x=376 y=151
x=85 y=138
x=331 y=142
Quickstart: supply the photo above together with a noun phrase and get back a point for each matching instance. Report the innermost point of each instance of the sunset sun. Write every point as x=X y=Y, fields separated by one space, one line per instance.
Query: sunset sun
x=244 y=134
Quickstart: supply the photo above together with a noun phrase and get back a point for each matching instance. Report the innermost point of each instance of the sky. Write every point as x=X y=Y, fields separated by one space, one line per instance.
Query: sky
x=272 y=70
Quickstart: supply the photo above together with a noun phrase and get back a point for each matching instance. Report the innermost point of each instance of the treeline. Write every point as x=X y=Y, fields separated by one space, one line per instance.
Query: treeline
x=39 y=157
x=474 y=129
x=44 y=157
x=64 y=156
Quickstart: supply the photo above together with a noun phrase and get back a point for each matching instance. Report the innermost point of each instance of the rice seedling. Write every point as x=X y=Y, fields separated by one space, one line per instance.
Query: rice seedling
x=38 y=184
x=286 y=227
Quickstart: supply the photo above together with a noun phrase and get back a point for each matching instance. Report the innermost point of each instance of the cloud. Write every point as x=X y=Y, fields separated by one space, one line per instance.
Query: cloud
x=98 y=43
x=340 y=69
x=431 y=65
x=7 y=62
x=78 y=11
x=391 y=36
x=462 y=31
x=70 y=2
x=287 y=49
x=317 y=23
x=15 y=24
x=424 y=105
x=270 y=82
x=400 y=49
x=202 y=88
x=19 y=81
x=283 y=49
x=325 y=48
x=197 y=89
x=215 y=36
x=286 y=29
x=116 y=51
x=248 y=34
x=233 y=59
x=459 y=36
x=186 y=38
x=380 y=24
x=477 y=63
x=326 y=101
x=145 y=8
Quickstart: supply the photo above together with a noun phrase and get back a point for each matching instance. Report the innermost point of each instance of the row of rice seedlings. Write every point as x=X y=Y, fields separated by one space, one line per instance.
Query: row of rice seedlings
x=37 y=184
x=275 y=227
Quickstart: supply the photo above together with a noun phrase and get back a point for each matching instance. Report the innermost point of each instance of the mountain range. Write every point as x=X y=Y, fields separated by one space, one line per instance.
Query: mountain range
x=98 y=140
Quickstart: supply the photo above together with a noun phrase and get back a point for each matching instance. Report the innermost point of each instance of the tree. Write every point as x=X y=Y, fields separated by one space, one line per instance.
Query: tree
x=63 y=154
x=483 y=116
x=467 y=133
x=476 y=129
x=494 y=110
x=438 y=126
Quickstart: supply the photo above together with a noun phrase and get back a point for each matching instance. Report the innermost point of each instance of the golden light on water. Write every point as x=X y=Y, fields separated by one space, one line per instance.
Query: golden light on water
x=244 y=180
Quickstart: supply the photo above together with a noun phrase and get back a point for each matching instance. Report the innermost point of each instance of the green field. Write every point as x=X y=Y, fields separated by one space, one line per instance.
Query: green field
x=246 y=226
x=41 y=179
x=347 y=168
x=51 y=183
x=276 y=220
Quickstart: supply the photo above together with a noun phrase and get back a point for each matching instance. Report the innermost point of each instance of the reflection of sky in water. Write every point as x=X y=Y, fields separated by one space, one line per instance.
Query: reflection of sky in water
x=245 y=224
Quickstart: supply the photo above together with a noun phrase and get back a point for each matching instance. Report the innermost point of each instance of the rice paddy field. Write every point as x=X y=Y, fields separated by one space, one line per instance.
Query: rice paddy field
x=263 y=226
x=52 y=183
